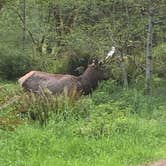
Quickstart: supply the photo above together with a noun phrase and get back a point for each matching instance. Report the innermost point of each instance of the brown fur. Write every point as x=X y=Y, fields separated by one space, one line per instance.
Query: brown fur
x=36 y=81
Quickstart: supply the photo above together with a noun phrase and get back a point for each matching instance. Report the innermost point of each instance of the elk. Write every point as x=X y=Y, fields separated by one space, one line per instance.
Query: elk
x=36 y=81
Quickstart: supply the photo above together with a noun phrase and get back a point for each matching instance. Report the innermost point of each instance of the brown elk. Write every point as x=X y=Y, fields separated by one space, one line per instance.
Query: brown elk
x=36 y=81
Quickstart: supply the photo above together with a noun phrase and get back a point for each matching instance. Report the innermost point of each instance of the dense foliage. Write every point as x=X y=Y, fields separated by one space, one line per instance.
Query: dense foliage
x=113 y=125
x=62 y=35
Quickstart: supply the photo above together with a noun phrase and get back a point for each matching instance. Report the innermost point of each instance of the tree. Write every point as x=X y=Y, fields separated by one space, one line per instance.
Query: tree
x=148 y=78
x=154 y=13
x=24 y=22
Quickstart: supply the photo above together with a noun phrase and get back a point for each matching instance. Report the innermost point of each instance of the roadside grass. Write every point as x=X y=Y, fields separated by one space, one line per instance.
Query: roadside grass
x=112 y=127
x=31 y=145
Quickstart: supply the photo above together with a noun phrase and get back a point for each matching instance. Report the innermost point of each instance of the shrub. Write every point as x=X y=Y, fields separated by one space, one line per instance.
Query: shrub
x=59 y=108
x=14 y=64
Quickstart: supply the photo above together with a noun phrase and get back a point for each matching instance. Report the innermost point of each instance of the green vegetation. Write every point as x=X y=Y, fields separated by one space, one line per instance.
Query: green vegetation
x=116 y=125
x=111 y=127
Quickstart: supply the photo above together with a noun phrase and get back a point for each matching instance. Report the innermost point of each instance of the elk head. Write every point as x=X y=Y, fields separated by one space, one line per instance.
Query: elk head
x=95 y=73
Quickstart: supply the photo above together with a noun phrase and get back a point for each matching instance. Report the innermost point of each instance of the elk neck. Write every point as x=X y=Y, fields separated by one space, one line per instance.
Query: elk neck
x=89 y=80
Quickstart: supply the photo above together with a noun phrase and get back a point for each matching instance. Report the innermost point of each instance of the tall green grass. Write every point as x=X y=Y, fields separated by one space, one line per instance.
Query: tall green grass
x=112 y=126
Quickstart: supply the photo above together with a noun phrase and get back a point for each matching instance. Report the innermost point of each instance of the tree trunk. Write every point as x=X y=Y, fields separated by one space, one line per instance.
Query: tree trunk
x=24 y=23
x=148 y=79
x=124 y=72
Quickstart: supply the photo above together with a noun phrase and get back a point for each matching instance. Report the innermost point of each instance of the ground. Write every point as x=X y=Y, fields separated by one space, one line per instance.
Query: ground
x=158 y=163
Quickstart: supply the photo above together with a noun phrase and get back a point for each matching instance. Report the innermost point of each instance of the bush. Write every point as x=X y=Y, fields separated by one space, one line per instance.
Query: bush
x=14 y=64
x=59 y=108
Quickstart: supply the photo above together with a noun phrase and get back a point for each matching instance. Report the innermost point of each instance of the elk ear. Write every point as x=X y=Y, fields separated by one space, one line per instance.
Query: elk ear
x=95 y=61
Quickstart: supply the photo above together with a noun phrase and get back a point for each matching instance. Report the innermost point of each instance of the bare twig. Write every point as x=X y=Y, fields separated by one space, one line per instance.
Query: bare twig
x=22 y=20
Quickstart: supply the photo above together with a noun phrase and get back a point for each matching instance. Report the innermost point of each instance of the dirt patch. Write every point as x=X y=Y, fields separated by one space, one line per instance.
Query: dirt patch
x=158 y=163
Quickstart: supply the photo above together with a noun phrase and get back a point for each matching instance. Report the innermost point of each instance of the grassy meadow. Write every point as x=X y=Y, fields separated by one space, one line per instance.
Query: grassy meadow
x=112 y=126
